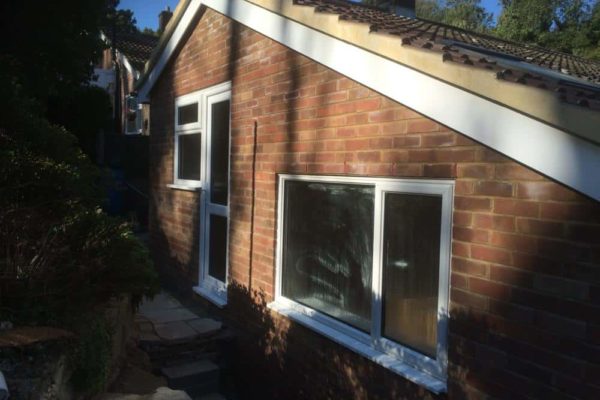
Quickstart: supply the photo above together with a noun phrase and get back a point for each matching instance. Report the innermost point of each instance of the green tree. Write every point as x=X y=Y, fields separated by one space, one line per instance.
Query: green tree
x=569 y=26
x=465 y=14
x=150 y=31
x=526 y=20
x=430 y=9
x=51 y=45
x=121 y=20
x=592 y=50
x=62 y=258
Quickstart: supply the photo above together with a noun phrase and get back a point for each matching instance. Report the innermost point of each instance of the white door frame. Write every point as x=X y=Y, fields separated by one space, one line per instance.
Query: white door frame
x=209 y=287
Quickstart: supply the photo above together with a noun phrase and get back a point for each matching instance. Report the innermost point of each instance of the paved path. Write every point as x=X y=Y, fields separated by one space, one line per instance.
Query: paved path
x=164 y=318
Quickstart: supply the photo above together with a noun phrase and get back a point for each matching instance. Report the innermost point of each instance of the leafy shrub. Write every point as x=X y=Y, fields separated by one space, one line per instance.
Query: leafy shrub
x=90 y=360
x=60 y=253
x=61 y=257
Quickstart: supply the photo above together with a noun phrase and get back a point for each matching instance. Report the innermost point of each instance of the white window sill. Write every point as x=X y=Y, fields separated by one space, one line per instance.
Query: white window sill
x=211 y=296
x=429 y=382
x=188 y=188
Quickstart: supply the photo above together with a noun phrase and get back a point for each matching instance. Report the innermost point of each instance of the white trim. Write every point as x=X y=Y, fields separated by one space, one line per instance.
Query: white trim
x=209 y=295
x=555 y=153
x=185 y=187
x=209 y=287
x=378 y=347
x=186 y=129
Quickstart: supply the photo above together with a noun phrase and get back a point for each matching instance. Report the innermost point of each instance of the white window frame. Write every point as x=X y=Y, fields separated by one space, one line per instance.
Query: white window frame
x=209 y=287
x=403 y=360
x=186 y=129
x=199 y=127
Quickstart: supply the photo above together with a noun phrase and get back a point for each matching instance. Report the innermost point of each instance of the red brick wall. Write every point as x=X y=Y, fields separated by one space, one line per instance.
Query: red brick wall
x=525 y=280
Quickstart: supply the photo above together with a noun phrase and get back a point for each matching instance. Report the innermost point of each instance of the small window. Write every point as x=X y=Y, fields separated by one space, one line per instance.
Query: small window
x=189 y=157
x=199 y=126
x=188 y=140
x=187 y=114
x=368 y=259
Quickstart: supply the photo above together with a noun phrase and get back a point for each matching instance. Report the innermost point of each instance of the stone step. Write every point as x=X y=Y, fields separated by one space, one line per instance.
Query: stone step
x=217 y=346
x=196 y=378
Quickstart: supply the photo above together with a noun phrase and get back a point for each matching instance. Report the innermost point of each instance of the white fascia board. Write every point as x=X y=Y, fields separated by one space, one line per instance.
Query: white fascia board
x=561 y=156
x=169 y=49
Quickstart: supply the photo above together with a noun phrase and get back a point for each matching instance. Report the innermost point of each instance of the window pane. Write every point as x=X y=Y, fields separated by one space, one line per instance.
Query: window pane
x=217 y=254
x=411 y=260
x=219 y=160
x=328 y=249
x=189 y=156
x=187 y=114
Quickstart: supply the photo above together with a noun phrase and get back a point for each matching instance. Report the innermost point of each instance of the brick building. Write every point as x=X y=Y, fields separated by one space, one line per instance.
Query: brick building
x=384 y=207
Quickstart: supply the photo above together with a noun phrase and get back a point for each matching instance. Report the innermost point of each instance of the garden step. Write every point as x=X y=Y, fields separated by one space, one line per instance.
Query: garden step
x=196 y=378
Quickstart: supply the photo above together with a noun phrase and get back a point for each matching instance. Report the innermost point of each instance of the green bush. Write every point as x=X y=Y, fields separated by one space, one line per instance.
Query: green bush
x=90 y=359
x=62 y=259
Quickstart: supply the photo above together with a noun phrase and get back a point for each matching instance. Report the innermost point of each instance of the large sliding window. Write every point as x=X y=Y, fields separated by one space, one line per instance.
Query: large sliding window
x=365 y=261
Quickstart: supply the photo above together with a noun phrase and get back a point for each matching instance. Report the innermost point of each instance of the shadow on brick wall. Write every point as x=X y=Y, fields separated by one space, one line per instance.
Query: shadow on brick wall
x=279 y=359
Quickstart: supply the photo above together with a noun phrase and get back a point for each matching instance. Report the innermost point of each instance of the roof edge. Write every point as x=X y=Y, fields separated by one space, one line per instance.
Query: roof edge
x=164 y=39
x=553 y=152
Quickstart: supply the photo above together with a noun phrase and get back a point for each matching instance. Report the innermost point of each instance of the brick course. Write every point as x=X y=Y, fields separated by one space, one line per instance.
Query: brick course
x=525 y=280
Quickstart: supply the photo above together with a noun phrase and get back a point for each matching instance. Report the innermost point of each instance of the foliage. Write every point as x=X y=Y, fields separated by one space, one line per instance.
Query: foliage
x=90 y=359
x=52 y=46
x=120 y=20
x=570 y=26
x=62 y=258
x=465 y=14
x=84 y=112
x=151 y=32
x=51 y=43
x=61 y=254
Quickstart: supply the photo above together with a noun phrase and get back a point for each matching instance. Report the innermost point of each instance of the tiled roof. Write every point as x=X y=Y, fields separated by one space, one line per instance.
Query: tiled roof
x=575 y=80
x=137 y=47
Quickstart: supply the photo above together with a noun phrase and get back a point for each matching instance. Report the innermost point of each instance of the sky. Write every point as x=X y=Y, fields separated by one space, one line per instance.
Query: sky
x=146 y=11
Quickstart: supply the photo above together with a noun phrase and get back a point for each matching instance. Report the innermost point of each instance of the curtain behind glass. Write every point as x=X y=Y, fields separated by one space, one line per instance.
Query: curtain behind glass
x=411 y=260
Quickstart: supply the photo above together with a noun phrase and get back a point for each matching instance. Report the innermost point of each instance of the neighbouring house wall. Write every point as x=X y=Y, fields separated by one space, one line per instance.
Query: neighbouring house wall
x=525 y=272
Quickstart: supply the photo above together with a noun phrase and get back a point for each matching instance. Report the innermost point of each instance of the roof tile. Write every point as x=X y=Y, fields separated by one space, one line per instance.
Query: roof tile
x=515 y=62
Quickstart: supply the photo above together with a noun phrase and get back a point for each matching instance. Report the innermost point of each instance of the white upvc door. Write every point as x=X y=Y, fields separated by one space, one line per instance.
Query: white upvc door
x=214 y=213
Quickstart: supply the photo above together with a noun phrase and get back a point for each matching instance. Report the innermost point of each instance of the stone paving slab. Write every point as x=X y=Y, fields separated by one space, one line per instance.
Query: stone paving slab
x=204 y=326
x=176 y=330
x=159 y=302
x=162 y=316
